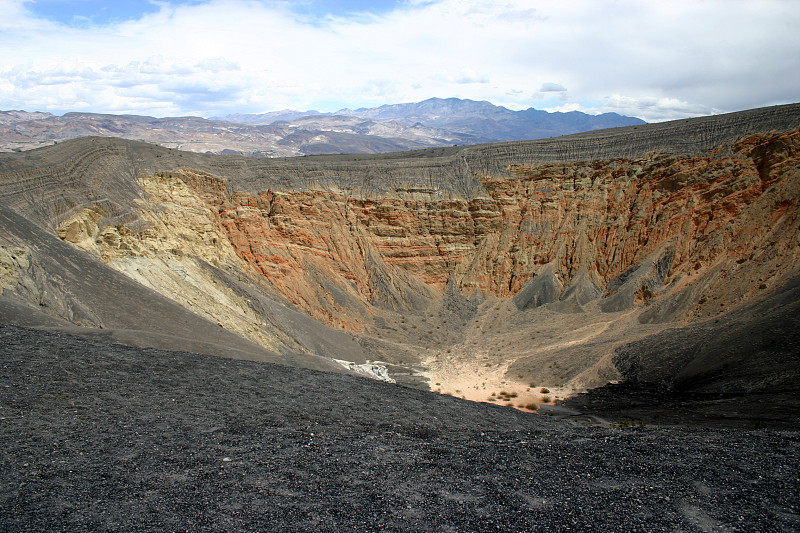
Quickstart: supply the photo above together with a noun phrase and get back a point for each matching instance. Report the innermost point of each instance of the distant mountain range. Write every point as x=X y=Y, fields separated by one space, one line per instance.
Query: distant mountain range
x=388 y=128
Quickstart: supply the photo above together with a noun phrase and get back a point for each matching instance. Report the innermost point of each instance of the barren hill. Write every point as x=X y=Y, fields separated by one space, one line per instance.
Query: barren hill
x=304 y=135
x=490 y=272
x=434 y=122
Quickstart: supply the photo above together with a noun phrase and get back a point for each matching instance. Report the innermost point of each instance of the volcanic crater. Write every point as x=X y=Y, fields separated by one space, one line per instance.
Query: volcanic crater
x=645 y=275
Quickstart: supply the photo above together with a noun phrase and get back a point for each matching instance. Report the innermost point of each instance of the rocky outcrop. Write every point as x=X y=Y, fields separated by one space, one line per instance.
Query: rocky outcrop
x=635 y=230
x=13 y=261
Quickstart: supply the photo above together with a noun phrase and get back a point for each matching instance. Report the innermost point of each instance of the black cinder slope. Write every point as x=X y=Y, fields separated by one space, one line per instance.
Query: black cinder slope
x=103 y=437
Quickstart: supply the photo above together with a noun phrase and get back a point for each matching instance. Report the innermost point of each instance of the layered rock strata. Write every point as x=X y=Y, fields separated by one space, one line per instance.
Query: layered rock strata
x=533 y=260
x=628 y=231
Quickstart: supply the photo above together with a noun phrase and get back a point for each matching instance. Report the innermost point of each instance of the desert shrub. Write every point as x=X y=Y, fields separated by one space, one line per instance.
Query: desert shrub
x=545 y=390
x=532 y=407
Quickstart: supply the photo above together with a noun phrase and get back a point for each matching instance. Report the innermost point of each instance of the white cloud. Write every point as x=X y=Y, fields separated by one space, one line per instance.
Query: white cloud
x=657 y=109
x=466 y=76
x=574 y=106
x=550 y=87
x=655 y=60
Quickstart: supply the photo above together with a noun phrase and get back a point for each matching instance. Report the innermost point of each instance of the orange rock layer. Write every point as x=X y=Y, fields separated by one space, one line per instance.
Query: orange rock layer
x=324 y=250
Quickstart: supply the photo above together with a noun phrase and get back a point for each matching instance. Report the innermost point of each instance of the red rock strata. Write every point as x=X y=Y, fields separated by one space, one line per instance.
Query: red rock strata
x=733 y=212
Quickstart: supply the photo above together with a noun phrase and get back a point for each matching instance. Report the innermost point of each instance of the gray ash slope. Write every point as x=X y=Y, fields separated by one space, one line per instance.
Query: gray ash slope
x=737 y=370
x=105 y=437
x=73 y=290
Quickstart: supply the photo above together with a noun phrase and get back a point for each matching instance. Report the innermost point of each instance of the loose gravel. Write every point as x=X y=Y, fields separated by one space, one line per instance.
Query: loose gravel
x=104 y=437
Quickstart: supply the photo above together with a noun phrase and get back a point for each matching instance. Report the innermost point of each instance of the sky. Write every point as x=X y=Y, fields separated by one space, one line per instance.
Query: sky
x=653 y=59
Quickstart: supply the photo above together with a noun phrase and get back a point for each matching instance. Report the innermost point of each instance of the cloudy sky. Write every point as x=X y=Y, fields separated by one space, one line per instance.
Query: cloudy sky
x=653 y=59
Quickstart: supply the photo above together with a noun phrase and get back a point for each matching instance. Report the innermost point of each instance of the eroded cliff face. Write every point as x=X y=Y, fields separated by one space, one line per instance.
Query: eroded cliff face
x=173 y=253
x=730 y=213
x=506 y=267
x=726 y=220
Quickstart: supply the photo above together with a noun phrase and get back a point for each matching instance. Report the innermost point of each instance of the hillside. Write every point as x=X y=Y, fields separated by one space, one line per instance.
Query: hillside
x=468 y=120
x=102 y=437
x=434 y=122
x=493 y=272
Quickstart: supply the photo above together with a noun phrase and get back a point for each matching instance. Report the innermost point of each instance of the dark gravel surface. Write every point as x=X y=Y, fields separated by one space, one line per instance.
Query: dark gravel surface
x=635 y=403
x=103 y=437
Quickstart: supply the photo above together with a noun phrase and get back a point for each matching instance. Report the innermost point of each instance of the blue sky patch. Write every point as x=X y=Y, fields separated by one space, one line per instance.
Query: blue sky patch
x=342 y=8
x=83 y=13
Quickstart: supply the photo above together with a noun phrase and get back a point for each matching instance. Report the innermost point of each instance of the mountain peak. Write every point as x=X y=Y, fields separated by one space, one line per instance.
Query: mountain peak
x=434 y=122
